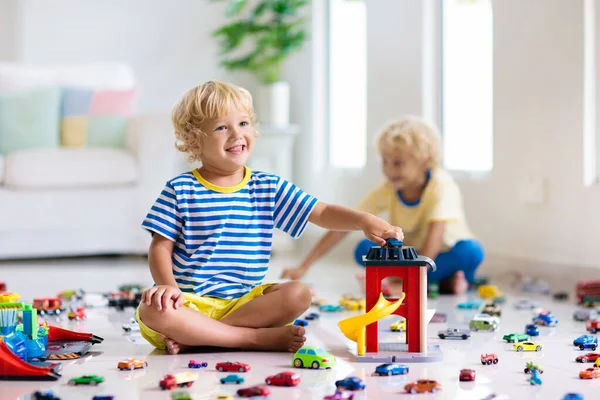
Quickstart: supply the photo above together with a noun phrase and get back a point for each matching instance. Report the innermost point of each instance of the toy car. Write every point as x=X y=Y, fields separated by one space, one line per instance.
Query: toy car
x=491 y=309
x=398 y=326
x=300 y=322
x=78 y=314
x=572 y=396
x=589 y=357
x=463 y=334
x=171 y=381
x=527 y=346
x=535 y=378
x=48 y=306
x=585 y=314
x=47 y=395
x=592 y=325
x=132 y=326
x=86 y=380
x=586 y=342
x=545 y=319
x=352 y=303
x=515 y=337
x=439 y=317
x=254 y=391
x=181 y=395
x=590 y=373
x=312 y=316
x=530 y=366
x=532 y=330
x=131 y=364
x=560 y=296
x=229 y=366
x=470 y=304
x=340 y=395
x=423 y=386
x=318 y=302
x=489 y=359
x=489 y=291
x=350 y=383
x=103 y=397
x=313 y=357
x=433 y=290
x=285 y=378
x=391 y=369
x=466 y=375
x=233 y=378
x=226 y=396
x=536 y=286
x=330 y=308
x=197 y=364
x=525 y=304
x=484 y=322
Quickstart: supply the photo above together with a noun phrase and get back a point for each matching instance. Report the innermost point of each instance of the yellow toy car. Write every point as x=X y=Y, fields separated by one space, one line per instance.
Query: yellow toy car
x=224 y=397
x=527 y=346
x=398 y=326
x=352 y=303
x=490 y=291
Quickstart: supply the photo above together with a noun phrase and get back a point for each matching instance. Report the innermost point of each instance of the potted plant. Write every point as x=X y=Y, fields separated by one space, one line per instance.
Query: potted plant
x=259 y=40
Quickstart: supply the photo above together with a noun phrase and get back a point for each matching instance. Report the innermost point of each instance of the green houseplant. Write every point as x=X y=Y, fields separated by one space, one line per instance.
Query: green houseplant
x=259 y=37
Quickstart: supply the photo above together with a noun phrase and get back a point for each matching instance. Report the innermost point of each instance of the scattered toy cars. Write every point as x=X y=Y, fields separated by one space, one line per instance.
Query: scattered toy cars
x=350 y=383
x=588 y=357
x=515 y=337
x=454 y=333
x=131 y=364
x=527 y=346
x=423 y=386
x=313 y=357
x=530 y=366
x=232 y=378
x=590 y=373
x=285 y=378
x=489 y=359
x=389 y=369
x=398 y=326
x=229 y=366
x=92 y=380
x=466 y=375
x=532 y=330
x=197 y=364
x=254 y=391
x=586 y=342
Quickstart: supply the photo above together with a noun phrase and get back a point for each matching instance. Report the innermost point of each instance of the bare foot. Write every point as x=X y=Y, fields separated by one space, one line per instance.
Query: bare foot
x=285 y=338
x=456 y=284
x=173 y=347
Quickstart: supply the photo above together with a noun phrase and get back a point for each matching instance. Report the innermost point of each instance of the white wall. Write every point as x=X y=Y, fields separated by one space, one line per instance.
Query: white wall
x=8 y=27
x=168 y=45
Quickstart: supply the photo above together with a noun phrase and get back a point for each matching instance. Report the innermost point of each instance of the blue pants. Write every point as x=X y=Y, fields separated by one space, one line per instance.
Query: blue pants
x=465 y=256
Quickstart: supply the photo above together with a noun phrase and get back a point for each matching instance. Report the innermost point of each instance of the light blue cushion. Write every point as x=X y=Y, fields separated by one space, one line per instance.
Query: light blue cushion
x=30 y=120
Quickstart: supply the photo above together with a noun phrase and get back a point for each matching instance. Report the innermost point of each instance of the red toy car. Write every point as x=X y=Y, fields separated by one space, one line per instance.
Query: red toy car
x=285 y=378
x=589 y=357
x=466 y=375
x=229 y=366
x=489 y=359
x=77 y=314
x=592 y=325
x=254 y=391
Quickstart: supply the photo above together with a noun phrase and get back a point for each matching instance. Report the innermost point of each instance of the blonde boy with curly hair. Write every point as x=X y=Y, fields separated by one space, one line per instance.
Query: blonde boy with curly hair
x=212 y=234
x=422 y=198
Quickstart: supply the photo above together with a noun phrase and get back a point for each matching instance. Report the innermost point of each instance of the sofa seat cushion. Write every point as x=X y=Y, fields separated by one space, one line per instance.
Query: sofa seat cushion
x=69 y=168
x=1 y=169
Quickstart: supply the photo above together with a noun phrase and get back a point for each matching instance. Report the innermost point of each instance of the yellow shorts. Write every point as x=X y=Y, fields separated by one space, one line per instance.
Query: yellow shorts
x=213 y=307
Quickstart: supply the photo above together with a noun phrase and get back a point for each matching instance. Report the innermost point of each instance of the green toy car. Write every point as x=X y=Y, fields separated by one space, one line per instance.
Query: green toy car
x=181 y=395
x=515 y=337
x=86 y=380
x=531 y=366
x=313 y=357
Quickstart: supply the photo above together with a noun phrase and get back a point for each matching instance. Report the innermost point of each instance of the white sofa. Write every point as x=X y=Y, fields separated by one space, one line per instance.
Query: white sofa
x=84 y=201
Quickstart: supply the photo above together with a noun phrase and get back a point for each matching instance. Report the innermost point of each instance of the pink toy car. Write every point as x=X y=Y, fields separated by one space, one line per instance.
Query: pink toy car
x=340 y=395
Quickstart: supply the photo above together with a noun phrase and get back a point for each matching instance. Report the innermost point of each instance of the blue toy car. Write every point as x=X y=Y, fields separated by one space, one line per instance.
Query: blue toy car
x=103 y=397
x=391 y=369
x=47 y=395
x=586 y=342
x=572 y=396
x=311 y=316
x=197 y=364
x=535 y=377
x=393 y=242
x=232 y=378
x=300 y=322
x=545 y=319
x=330 y=308
x=532 y=330
x=470 y=304
x=350 y=383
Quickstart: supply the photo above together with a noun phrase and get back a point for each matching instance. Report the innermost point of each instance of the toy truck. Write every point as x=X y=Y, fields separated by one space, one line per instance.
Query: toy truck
x=592 y=325
x=171 y=381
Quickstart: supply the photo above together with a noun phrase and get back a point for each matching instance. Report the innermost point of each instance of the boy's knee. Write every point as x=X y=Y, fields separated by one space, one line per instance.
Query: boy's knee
x=298 y=296
x=151 y=317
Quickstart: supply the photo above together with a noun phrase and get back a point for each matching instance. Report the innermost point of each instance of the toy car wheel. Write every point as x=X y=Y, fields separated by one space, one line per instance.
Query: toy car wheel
x=465 y=337
x=72 y=382
x=541 y=371
x=268 y=381
x=584 y=359
x=495 y=361
x=520 y=348
x=442 y=336
x=189 y=384
x=593 y=348
x=538 y=348
x=434 y=390
x=220 y=369
x=241 y=369
x=474 y=328
x=315 y=365
x=389 y=373
x=298 y=363
x=93 y=383
x=526 y=370
x=514 y=341
x=131 y=367
x=489 y=362
x=413 y=390
x=581 y=347
x=222 y=381
x=145 y=365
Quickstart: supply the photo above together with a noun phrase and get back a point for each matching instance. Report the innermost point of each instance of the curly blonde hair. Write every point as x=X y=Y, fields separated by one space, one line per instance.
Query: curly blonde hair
x=420 y=137
x=209 y=101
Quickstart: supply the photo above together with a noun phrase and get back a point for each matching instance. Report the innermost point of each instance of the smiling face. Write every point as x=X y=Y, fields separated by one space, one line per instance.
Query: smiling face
x=402 y=168
x=229 y=141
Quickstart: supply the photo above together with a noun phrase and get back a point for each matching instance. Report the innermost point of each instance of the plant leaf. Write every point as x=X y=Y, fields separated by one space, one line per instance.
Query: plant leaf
x=234 y=7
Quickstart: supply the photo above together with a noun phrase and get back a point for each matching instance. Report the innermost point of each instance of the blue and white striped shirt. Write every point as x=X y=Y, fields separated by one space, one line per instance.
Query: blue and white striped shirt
x=223 y=235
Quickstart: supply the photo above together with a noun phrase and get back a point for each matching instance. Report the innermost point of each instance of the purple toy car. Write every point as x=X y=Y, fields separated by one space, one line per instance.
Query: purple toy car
x=340 y=395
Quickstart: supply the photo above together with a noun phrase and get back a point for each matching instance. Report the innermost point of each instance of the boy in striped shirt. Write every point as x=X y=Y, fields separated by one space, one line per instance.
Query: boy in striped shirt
x=212 y=234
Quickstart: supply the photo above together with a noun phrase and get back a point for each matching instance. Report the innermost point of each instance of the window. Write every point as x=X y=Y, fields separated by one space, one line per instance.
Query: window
x=467 y=85
x=347 y=83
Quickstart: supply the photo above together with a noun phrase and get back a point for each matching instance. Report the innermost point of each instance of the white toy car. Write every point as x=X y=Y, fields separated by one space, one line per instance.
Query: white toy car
x=525 y=304
x=132 y=326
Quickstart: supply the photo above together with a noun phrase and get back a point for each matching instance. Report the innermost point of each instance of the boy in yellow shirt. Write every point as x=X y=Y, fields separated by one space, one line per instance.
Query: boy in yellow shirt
x=423 y=199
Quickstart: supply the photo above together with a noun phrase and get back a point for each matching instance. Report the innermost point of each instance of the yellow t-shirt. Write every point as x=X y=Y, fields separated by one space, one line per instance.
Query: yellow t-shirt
x=441 y=201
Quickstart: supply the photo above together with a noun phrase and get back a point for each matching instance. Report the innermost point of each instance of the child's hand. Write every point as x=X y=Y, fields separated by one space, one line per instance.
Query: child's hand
x=293 y=273
x=160 y=296
x=377 y=229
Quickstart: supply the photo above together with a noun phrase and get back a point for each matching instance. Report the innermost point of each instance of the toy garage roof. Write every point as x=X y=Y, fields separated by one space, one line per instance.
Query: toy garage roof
x=393 y=256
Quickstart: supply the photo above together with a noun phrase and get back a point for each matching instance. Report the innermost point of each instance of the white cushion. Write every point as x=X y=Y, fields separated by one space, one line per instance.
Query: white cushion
x=16 y=77
x=1 y=169
x=69 y=168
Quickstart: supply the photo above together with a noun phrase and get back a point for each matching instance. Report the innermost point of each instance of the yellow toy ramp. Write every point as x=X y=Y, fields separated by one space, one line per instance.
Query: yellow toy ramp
x=352 y=326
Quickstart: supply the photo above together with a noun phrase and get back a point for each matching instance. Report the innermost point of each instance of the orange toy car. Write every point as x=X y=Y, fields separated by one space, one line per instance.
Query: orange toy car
x=590 y=373
x=132 y=363
x=423 y=386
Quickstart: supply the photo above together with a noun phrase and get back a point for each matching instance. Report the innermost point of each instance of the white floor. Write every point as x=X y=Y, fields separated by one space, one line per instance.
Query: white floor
x=506 y=379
